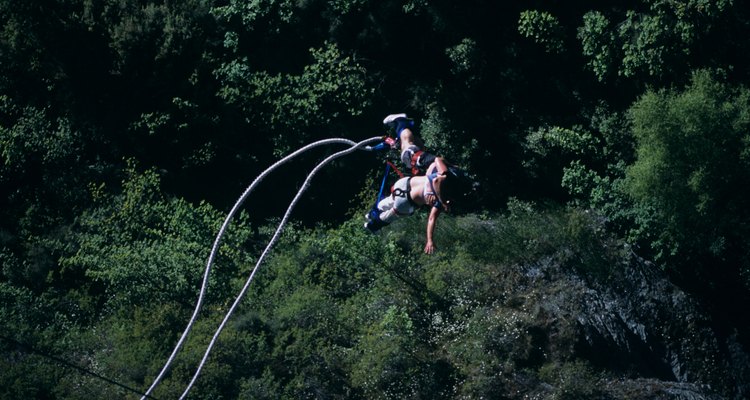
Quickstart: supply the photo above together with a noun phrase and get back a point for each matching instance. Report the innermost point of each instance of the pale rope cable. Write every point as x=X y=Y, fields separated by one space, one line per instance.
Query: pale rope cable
x=214 y=250
x=273 y=240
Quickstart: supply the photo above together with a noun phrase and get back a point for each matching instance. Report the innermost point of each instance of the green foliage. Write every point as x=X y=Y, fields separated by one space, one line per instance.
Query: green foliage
x=439 y=132
x=33 y=138
x=27 y=376
x=38 y=153
x=602 y=192
x=651 y=46
x=252 y=13
x=651 y=41
x=543 y=28
x=414 y=325
x=27 y=69
x=300 y=297
x=387 y=364
x=42 y=173
x=293 y=105
x=483 y=331
x=591 y=156
x=148 y=31
x=572 y=380
x=146 y=248
x=344 y=7
x=102 y=275
x=664 y=177
x=30 y=328
x=598 y=43
x=27 y=317
x=468 y=62
x=690 y=148
x=415 y=6
x=341 y=313
x=572 y=141
x=593 y=159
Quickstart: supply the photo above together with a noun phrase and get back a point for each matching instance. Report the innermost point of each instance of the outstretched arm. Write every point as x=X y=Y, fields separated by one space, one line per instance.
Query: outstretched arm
x=429 y=248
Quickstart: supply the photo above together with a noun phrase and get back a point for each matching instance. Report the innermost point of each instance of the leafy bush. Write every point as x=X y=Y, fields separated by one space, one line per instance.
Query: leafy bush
x=651 y=41
x=145 y=248
x=543 y=28
x=572 y=380
x=691 y=157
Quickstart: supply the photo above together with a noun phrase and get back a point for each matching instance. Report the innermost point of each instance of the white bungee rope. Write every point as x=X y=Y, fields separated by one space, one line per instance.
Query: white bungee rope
x=353 y=147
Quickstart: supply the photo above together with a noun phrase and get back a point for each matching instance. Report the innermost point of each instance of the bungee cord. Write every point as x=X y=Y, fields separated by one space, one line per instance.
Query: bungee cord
x=201 y=297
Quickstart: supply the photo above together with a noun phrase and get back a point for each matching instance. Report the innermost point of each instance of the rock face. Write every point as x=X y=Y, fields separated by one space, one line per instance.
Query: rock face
x=652 y=339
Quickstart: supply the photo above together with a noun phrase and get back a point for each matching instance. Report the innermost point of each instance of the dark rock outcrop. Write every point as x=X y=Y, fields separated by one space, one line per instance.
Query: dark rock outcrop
x=651 y=339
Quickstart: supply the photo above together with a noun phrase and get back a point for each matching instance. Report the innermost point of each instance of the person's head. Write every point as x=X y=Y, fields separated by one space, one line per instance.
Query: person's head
x=447 y=190
x=455 y=189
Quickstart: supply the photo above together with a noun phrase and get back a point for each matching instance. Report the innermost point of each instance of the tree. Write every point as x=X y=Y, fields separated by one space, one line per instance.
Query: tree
x=146 y=248
x=692 y=155
x=652 y=41
x=287 y=107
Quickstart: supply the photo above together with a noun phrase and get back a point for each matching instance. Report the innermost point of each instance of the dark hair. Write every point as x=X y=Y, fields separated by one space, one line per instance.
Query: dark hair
x=456 y=185
x=449 y=188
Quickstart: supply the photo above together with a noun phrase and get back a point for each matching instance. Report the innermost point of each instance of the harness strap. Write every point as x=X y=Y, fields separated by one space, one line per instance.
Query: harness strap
x=382 y=187
x=437 y=203
x=398 y=192
x=394 y=168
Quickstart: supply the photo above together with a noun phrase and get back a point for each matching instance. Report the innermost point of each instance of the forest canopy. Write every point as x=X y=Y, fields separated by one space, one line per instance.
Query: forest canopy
x=129 y=127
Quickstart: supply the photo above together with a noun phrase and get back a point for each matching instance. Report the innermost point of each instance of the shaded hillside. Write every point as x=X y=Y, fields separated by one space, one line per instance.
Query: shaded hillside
x=530 y=304
x=539 y=305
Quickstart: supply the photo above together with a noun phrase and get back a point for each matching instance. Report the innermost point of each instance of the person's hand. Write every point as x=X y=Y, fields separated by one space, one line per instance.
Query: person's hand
x=430 y=199
x=429 y=248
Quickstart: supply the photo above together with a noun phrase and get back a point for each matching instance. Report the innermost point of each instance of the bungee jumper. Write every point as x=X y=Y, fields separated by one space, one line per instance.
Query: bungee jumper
x=433 y=189
x=431 y=182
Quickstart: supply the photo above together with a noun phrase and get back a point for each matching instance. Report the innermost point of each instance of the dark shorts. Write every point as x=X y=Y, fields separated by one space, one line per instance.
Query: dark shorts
x=423 y=161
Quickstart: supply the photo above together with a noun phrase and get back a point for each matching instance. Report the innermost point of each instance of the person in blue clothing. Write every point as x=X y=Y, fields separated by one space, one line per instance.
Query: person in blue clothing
x=434 y=189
